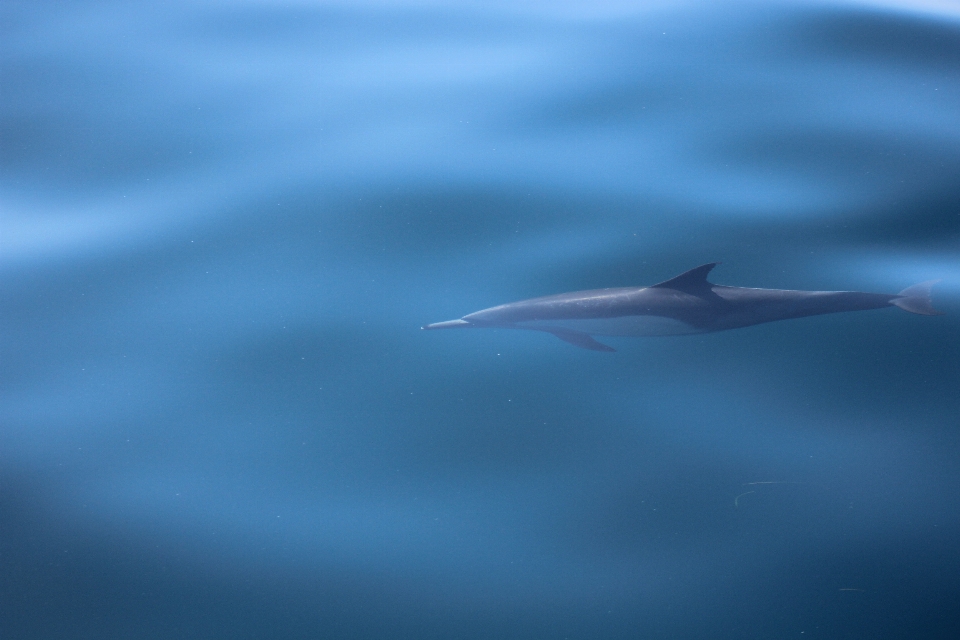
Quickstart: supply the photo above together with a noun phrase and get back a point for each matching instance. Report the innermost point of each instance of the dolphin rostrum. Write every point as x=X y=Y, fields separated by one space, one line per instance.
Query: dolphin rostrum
x=682 y=305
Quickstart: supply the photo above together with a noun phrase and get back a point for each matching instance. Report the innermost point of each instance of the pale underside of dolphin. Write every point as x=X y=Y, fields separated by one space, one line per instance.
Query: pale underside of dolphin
x=682 y=305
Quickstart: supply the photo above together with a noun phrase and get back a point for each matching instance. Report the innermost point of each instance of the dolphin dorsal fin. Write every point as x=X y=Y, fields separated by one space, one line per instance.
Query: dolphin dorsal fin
x=693 y=281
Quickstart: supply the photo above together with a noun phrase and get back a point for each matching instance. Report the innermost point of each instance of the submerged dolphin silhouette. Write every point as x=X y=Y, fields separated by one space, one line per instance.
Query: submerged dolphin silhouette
x=681 y=305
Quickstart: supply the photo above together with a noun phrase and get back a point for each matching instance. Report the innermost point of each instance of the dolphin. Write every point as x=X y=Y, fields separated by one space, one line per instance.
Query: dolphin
x=685 y=304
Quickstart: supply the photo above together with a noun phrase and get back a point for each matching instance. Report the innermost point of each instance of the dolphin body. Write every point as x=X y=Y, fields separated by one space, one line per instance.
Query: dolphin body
x=682 y=305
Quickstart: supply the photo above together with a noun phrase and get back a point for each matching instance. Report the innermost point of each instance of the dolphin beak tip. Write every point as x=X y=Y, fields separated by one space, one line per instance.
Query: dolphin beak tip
x=449 y=324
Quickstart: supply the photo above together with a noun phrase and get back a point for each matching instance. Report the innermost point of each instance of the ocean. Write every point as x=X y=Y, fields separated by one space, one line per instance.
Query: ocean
x=222 y=225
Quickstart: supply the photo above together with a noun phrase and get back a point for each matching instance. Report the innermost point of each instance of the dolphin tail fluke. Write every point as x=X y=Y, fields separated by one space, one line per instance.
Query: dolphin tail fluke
x=582 y=340
x=916 y=299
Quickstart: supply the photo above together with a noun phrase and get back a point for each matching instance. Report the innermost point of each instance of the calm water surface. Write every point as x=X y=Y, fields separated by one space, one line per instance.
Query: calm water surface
x=222 y=225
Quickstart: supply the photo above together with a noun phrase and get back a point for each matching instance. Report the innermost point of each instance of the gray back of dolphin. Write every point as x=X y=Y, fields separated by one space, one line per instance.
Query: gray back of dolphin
x=688 y=303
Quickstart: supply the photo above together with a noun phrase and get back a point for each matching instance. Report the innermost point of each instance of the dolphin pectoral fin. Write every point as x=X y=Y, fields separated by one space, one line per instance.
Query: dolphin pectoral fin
x=581 y=340
x=916 y=299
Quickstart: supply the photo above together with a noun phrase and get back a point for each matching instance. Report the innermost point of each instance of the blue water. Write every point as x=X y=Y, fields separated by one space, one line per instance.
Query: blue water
x=222 y=225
